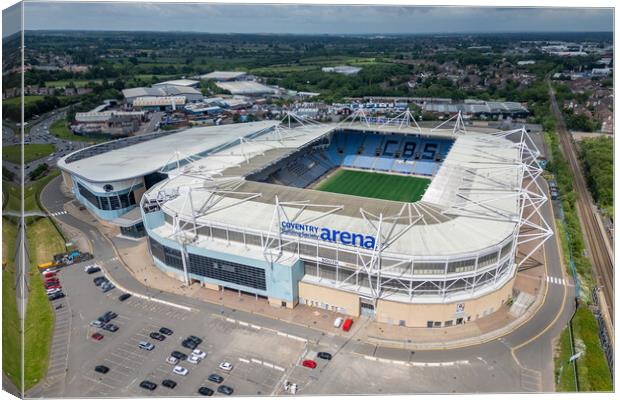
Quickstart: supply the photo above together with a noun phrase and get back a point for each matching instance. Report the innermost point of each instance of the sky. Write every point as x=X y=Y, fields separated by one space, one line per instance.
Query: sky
x=306 y=19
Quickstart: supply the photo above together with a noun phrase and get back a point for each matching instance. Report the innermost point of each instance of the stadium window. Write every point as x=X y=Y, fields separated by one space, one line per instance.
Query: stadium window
x=115 y=203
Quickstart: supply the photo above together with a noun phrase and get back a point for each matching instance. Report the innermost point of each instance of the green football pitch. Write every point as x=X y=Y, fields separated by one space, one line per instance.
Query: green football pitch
x=376 y=185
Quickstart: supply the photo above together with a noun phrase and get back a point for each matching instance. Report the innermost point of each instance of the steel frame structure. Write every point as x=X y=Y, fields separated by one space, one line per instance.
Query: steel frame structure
x=386 y=273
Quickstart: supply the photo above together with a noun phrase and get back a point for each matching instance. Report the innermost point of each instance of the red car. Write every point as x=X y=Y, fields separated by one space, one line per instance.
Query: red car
x=97 y=336
x=53 y=286
x=309 y=363
x=347 y=324
x=52 y=281
x=50 y=275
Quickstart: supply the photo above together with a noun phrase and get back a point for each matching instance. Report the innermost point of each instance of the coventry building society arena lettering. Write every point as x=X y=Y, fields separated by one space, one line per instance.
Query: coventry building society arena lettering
x=328 y=235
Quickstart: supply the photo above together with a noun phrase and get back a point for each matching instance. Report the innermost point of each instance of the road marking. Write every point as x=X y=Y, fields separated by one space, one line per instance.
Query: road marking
x=243 y=360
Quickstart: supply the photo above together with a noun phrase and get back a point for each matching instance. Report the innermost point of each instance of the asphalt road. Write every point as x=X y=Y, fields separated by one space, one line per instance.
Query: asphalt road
x=518 y=362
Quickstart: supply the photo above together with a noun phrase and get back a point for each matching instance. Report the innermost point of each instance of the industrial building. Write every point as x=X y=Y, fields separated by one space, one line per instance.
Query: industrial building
x=247 y=88
x=235 y=207
x=223 y=76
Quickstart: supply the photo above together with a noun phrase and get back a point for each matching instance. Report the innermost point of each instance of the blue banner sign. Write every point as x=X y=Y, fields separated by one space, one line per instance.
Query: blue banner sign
x=328 y=235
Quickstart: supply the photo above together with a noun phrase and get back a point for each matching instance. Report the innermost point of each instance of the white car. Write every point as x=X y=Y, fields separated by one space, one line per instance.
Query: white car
x=199 y=353
x=180 y=370
x=172 y=360
x=226 y=366
x=52 y=291
x=193 y=359
x=96 y=323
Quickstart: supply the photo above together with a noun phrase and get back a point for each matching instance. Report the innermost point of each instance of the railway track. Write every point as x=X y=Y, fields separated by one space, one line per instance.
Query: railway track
x=598 y=250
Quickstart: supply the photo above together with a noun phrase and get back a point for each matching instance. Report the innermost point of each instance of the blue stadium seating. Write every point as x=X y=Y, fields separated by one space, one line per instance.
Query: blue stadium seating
x=403 y=154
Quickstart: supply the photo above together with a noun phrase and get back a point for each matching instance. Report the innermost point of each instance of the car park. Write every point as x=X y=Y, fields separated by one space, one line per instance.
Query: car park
x=199 y=353
x=179 y=355
x=169 y=383
x=157 y=336
x=309 y=363
x=216 y=378
x=124 y=296
x=165 y=331
x=205 y=391
x=227 y=390
x=146 y=345
x=102 y=369
x=110 y=327
x=324 y=355
x=226 y=366
x=180 y=370
x=148 y=385
x=96 y=336
x=172 y=360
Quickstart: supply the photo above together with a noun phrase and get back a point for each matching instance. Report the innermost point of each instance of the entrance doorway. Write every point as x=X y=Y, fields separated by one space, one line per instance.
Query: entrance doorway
x=367 y=307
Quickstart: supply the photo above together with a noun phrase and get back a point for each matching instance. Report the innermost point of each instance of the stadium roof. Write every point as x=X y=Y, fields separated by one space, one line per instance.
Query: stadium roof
x=462 y=211
x=246 y=87
x=151 y=155
x=223 y=75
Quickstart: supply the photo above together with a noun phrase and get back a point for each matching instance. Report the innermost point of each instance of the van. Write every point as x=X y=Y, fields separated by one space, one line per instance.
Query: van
x=338 y=322
x=347 y=324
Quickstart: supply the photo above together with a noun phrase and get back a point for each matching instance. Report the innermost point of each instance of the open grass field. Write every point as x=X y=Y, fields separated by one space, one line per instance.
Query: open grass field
x=77 y=82
x=60 y=129
x=32 y=152
x=11 y=337
x=15 y=101
x=376 y=185
x=43 y=242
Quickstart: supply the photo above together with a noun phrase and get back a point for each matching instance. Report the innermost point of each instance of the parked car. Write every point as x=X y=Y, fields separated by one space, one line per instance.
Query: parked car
x=189 y=344
x=172 y=360
x=96 y=336
x=226 y=366
x=93 y=270
x=96 y=323
x=99 y=280
x=169 y=383
x=146 y=345
x=337 y=322
x=106 y=287
x=347 y=324
x=227 y=390
x=49 y=274
x=199 y=353
x=56 y=296
x=309 y=363
x=179 y=355
x=180 y=370
x=195 y=339
x=324 y=355
x=216 y=378
x=148 y=385
x=157 y=336
x=205 y=391
x=193 y=359
x=110 y=327
x=165 y=331
x=124 y=296
x=102 y=369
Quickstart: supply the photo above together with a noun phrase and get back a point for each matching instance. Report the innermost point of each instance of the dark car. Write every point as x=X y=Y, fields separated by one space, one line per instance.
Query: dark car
x=194 y=339
x=91 y=271
x=165 y=331
x=112 y=314
x=148 y=385
x=179 y=355
x=110 y=327
x=99 y=280
x=157 y=336
x=169 y=383
x=56 y=296
x=215 y=378
x=189 y=344
x=102 y=369
x=124 y=296
x=227 y=390
x=324 y=355
x=205 y=391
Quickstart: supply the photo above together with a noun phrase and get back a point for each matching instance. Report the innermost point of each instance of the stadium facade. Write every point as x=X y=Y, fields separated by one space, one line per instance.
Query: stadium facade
x=240 y=207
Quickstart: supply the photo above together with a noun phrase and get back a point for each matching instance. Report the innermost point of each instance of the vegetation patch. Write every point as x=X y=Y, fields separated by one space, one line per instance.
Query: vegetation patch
x=597 y=156
x=11 y=336
x=32 y=152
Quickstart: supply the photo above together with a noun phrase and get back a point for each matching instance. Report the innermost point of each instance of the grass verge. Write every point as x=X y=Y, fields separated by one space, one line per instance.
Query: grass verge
x=31 y=152
x=376 y=185
x=565 y=378
x=43 y=243
x=11 y=336
x=60 y=129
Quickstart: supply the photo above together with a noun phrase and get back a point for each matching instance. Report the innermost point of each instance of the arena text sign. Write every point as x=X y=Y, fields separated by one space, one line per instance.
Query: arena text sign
x=328 y=235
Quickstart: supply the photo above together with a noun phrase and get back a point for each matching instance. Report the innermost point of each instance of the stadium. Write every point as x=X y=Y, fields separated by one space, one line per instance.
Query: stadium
x=411 y=226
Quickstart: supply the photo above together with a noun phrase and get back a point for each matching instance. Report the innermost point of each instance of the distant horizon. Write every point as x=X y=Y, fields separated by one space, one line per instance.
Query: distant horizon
x=304 y=19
